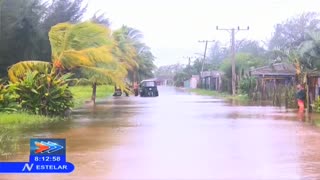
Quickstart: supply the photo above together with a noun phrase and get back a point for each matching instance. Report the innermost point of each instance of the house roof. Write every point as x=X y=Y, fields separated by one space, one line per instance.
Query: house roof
x=278 y=69
x=211 y=73
x=196 y=76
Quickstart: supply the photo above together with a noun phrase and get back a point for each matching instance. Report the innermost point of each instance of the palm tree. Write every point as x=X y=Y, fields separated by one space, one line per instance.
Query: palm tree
x=135 y=54
x=310 y=50
x=86 y=46
x=124 y=50
x=100 y=19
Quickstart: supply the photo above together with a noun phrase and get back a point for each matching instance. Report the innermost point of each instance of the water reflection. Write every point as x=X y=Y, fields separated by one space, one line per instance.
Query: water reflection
x=183 y=136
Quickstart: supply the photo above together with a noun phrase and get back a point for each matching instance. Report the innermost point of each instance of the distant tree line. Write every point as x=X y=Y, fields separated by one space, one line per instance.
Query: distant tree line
x=295 y=40
x=25 y=24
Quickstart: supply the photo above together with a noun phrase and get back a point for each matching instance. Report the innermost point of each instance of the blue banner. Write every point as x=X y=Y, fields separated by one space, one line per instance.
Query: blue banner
x=46 y=156
x=31 y=167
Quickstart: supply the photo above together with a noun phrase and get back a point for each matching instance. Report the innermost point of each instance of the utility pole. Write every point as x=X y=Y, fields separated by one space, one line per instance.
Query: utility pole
x=189 y=59
x=233 y=56
x=204 y=56
x=189 y=62
x=205 y=51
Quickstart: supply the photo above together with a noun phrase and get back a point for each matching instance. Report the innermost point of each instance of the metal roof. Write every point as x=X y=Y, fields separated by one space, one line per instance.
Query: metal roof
x=279 y=69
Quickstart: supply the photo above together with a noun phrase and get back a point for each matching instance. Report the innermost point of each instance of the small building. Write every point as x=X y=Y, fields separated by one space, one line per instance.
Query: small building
x=275 y=80
x=192 y=82
x=211 y=80
x=272 y=80
x=313 y=89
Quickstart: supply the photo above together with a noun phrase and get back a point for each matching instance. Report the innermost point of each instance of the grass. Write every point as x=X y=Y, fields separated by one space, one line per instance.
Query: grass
x=83 y=93
x=24 y=119
x=223 y=95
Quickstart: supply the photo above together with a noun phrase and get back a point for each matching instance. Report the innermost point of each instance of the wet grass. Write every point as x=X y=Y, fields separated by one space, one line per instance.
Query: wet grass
x=222 y=95
x=83 y=93
x=15 y=126
x=24 y=119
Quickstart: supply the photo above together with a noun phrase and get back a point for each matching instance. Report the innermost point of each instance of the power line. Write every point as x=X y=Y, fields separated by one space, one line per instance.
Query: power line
x=233 y=59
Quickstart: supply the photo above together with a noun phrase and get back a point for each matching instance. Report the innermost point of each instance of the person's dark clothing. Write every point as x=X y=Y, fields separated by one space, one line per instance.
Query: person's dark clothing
x=301 y=95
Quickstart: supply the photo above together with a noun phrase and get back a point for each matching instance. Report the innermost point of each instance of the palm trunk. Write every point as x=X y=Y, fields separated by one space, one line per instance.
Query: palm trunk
x=307 y=93
x=94 y=92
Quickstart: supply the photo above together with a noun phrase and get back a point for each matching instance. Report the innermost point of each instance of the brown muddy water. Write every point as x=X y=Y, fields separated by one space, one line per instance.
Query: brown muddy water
x=183 y=136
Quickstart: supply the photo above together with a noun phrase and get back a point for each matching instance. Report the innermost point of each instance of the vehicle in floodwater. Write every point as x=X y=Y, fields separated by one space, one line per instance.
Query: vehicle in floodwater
x=148 y=88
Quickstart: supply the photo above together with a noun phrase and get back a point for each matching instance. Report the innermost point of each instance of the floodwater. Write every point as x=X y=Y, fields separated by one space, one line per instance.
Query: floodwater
x=183 y=136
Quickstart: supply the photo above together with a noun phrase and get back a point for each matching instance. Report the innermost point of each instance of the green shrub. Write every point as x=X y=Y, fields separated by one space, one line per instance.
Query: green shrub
x=290 y=97
x=316 y=105
x=45 y=93
x=8 y=98
x=247 y=85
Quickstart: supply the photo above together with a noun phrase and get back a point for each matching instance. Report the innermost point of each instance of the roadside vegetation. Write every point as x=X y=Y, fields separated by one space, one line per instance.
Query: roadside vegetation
x=82 y=93
x=24 y=120
x=223 y=95
x=41 y=77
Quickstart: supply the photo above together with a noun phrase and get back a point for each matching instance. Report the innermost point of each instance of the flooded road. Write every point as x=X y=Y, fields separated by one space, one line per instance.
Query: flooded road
x=183 y=136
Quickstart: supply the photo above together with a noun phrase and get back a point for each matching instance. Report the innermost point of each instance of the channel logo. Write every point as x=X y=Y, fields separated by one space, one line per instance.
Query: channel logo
x=46 y=156
x=47 y=147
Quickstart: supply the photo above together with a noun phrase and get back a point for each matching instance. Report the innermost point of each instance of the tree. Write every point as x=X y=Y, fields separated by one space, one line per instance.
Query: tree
x=291 y=33
x=249 y=46
x=244 y=61
x=145 y=65
x=19 y=30
x=24 y=27
x=86 y=46
x=59 y=11
x=310 y=51
x=124 y=50
x=180 y=77
x=169 y=71
x=217 y=54
x=100 y=19
x=135 y=55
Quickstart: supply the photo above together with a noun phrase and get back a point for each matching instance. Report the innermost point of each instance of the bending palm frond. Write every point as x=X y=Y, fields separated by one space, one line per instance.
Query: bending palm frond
x=88 y=57
x=18 y=70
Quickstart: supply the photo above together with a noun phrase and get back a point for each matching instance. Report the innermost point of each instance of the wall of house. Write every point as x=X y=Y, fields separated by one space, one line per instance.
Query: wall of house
x=193 y=83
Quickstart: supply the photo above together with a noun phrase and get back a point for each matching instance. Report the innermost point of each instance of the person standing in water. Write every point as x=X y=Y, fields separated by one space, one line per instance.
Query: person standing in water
x=136 y=88
x=301 y=97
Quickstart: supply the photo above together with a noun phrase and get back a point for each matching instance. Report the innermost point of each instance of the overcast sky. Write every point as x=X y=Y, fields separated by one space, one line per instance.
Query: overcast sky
x=172 y=28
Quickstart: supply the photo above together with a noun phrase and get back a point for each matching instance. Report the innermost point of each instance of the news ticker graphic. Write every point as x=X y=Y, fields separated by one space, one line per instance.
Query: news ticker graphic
x=48 y=146
x=46 y=156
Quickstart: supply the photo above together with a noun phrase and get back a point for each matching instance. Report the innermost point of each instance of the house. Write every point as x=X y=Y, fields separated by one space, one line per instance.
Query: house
x=192 y=82
x=313 y=88
x=272 y=82
x=211 y=80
